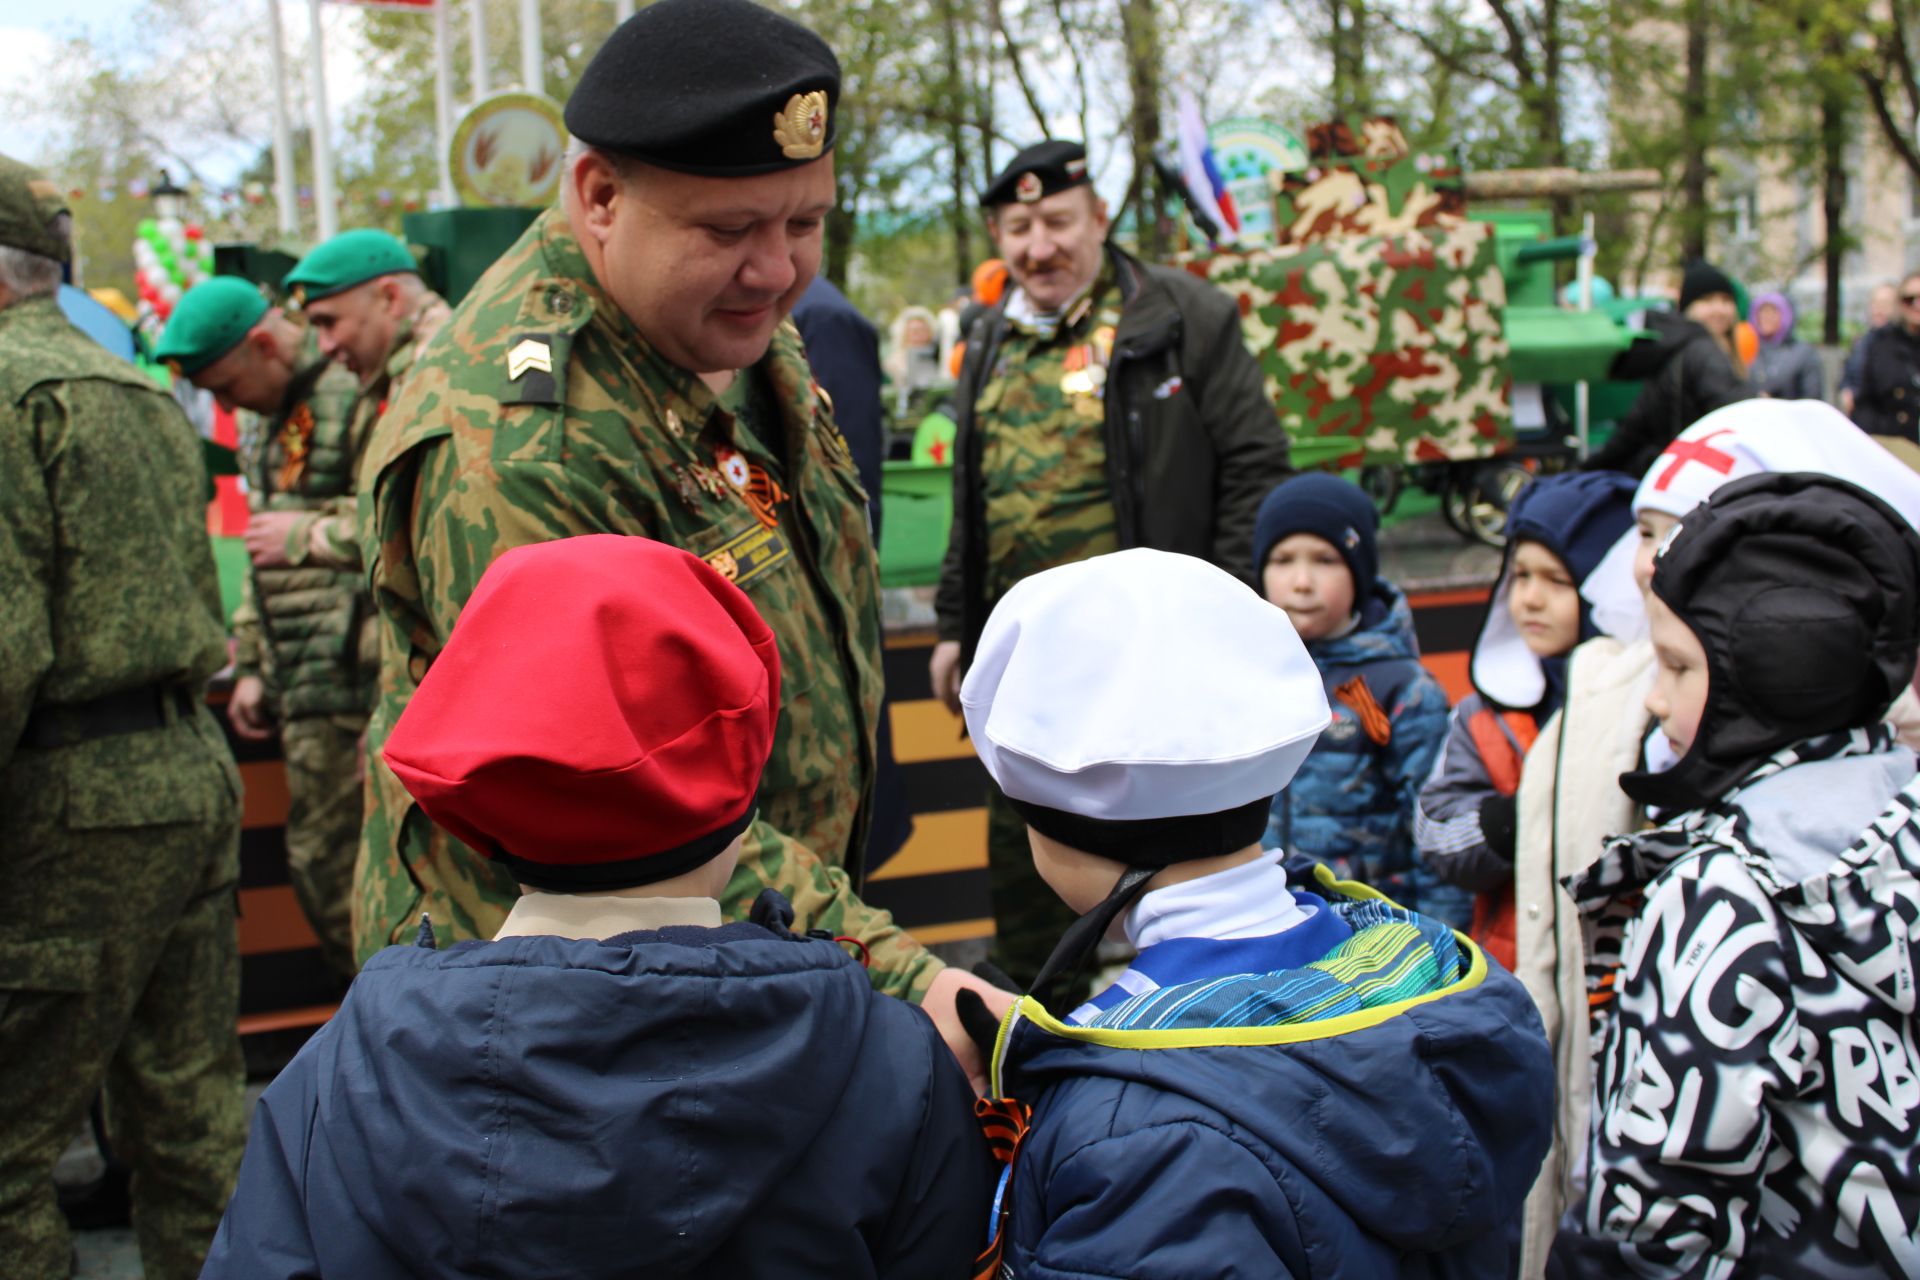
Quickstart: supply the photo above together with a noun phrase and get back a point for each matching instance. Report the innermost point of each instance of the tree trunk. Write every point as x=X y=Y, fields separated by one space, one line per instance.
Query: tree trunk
x=837 y=249
x=1141 y=28
x=1347 y=36
x=1833 y=146
x=1550 y=129
x=1695 y=128
x=957 y=92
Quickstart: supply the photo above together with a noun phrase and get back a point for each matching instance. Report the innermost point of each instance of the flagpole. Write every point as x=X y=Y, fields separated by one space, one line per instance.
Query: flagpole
x=325 y=205
x=443 y=100
x=287 y=211
x=531 y=78
x=477 y=39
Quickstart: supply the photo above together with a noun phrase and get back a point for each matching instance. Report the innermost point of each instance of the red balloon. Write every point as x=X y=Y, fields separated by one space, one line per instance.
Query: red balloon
x=193 y=231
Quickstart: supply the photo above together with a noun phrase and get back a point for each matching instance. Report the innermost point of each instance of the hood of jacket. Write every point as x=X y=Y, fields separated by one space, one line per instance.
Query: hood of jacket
x=1586 y=520
x=1829 y=829
x=1783 y=336
x=1802 y=591
x=1671 y=331
x=1424 y=1120
x=1385 y=630
x=487 y=1101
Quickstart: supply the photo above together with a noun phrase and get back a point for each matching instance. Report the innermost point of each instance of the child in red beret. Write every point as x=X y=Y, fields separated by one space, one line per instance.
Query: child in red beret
x=618 y=1084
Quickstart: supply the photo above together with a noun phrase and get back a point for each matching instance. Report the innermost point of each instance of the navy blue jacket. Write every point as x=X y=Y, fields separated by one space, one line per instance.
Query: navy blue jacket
x=1351 y=803
x=1393 y=1143
x=689 y=1102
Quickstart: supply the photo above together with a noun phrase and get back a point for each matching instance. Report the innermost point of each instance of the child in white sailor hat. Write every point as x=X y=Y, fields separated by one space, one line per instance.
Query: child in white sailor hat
x=1281 y=1071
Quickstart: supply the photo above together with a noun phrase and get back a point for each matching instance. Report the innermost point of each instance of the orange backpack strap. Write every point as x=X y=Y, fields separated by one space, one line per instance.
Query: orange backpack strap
x=1373 y=717
x=1503 y=740
x=1004 y=1122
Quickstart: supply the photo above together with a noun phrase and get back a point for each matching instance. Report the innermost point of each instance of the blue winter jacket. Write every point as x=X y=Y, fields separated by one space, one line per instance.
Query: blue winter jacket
x=1351 y=804
x=689 y=1102
x=1395 y=1142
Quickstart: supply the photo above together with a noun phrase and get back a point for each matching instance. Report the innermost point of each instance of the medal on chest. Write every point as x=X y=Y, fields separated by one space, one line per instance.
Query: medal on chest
x=1085 y=365
x=760 y=491
x=295 y=436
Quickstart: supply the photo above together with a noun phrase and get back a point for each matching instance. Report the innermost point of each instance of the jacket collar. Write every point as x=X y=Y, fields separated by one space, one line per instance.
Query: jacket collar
x=1631 y=862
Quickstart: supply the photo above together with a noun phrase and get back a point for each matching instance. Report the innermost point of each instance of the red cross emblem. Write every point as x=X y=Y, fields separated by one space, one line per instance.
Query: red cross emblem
x=1684 y=451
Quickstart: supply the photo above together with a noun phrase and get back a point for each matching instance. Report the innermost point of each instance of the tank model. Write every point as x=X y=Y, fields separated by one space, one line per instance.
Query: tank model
x=1381 y=313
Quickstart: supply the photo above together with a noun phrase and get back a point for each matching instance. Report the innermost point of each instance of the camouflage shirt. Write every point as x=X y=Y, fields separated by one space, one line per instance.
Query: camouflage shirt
x=1043 y=462
x=105 y=566
x=539 y=412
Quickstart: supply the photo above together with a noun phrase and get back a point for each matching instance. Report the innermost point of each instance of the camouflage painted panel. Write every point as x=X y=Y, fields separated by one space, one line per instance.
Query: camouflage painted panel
x=1392 y=342
x=1363 y=181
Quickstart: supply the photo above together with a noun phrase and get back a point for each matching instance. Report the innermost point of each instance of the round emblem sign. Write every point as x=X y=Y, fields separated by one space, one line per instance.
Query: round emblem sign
x=507 y=150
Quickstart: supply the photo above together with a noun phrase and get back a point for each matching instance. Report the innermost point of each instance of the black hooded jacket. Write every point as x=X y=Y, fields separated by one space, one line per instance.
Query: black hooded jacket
x=1687 y=376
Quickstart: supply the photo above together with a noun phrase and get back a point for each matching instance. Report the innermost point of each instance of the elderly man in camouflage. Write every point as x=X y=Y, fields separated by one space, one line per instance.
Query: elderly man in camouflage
x=119 y=801
x=1103 y=404
x=627 y=367
x=306 y=653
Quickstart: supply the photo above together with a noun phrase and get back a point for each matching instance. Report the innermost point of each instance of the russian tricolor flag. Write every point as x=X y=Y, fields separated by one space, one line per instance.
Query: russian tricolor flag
x=1197 y=166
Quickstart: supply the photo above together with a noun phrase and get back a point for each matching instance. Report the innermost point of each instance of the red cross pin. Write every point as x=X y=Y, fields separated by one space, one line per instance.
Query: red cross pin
x=1684 y=451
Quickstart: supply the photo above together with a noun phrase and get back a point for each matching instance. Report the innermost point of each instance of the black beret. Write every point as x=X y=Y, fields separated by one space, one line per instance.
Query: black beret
x=718 y=87
x=1041 y=170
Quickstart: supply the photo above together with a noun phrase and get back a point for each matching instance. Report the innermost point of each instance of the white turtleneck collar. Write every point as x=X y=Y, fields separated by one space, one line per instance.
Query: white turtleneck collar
x=1248 y=901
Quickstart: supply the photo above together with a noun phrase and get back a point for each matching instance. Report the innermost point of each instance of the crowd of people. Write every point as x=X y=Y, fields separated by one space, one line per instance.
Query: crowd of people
x=1607 y=970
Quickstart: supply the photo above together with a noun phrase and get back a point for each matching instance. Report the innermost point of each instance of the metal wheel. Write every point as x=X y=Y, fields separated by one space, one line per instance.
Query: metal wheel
x=1476 y=503
x=1384 y=484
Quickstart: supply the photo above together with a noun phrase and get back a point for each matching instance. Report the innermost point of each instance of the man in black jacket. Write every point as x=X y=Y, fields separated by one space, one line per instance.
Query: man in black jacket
x=1887 y=401
x=1103 y=404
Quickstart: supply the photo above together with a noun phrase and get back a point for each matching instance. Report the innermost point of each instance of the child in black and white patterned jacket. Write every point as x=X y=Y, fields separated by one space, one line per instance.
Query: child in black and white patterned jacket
x=1756 y=1104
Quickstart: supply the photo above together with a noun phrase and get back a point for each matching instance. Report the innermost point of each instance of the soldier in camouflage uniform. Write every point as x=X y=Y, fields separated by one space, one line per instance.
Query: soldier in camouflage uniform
x=369 y=309
x=1103 y=404
x=306 y=646
x=626 y=367
x=119 y=801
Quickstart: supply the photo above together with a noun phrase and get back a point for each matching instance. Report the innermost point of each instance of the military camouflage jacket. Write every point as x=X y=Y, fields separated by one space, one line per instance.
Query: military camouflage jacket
x=106 y=571
x=299 y=625
x=1192 y=443
x=539 y=412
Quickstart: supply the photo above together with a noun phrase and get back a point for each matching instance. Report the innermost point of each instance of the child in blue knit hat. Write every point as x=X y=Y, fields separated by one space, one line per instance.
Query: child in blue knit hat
x=1568 y=577
x=1351 y=805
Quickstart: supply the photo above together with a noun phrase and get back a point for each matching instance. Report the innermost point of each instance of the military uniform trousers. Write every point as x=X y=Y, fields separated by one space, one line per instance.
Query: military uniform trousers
x=119 y=965
x=325 y=807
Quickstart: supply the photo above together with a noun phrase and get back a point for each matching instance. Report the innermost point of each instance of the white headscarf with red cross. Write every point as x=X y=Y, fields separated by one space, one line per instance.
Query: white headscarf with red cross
x=1755 y=436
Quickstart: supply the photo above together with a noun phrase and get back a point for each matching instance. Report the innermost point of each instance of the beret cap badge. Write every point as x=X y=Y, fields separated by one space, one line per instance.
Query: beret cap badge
x=1028 y=189
x=801 y=129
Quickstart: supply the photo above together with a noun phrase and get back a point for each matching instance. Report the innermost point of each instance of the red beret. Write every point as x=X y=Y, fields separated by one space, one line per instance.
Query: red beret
x=599 y=717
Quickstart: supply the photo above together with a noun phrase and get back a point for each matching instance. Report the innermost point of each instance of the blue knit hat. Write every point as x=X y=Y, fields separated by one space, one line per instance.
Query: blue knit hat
x=1327 y=507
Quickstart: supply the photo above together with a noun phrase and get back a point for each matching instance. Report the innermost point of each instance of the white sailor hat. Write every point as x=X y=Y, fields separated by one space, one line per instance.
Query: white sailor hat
x=1143 y=706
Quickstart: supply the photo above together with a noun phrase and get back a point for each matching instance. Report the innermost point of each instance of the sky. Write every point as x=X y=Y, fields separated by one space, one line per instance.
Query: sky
x=31 y=32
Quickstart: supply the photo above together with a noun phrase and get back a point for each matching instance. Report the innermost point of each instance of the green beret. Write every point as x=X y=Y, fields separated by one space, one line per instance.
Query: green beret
x=209 y=321
x=723 y=88
x=350 y=258
x=1043 y=169
x=29 y=202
